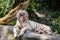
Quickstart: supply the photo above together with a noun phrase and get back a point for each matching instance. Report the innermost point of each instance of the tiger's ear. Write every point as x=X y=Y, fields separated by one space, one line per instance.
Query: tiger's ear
x=16 y=13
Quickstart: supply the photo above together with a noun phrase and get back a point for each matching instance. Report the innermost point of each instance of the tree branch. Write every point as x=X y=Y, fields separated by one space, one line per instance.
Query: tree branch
x=12 y=12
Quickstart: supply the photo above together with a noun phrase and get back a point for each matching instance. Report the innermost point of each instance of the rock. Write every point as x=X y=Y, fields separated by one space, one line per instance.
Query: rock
x=28 y=35
x=34 y=36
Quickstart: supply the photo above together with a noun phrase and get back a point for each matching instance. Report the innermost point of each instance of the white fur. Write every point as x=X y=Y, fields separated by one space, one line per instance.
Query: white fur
x=29 y=25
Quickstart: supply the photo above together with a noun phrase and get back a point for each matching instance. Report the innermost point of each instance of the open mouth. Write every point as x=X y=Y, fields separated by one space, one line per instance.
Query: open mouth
x=21 y=17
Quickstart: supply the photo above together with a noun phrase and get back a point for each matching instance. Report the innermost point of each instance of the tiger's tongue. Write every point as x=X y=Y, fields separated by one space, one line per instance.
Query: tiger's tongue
x=21 y=18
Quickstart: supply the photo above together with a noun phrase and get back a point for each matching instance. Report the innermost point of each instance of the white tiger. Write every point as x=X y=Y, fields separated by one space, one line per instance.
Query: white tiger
x=23 y=24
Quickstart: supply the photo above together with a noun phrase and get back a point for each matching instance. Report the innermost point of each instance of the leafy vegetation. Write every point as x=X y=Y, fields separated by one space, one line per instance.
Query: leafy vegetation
x=5 y=6
x=47 y=7
x=51 y=10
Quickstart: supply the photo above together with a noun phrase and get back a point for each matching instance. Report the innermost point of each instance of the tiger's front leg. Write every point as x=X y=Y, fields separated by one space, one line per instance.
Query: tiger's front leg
x=23 y=30
x=16 y=31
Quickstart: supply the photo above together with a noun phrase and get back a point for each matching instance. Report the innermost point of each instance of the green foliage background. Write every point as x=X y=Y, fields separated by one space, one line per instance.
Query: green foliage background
x=44 y=6
x=51 y=11
x=5 y=6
